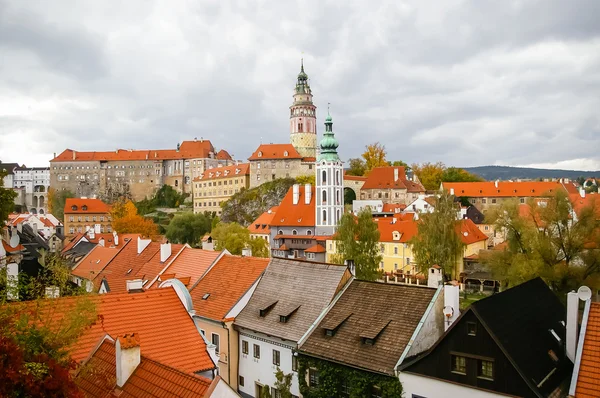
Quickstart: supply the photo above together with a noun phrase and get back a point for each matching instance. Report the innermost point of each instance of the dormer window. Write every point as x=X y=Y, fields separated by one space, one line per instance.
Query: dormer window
x=265 y=309
x=285 y=153
x=84 y=207
x=370 y=334
x=332 y=326
x=395 y=235
x=286 y=312
x=73 y=207
x=260 y=154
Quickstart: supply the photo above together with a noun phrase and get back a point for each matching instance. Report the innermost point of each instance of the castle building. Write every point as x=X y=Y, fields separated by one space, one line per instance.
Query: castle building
x=303 y=118
x=216 y=185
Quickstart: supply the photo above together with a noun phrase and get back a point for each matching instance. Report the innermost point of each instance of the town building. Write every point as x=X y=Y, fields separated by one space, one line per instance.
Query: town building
x=134 y=174
x=303 y=118
x=423 y=204
x=509 y=344
x=586 y=372
x=218 y=297
x=261 y=227
x=370 y=329
x=217 y=185
x=10 y=175
x=284 y=307
x=83 y=214
x=31 y=185
x=272 y=161
x=392 y=184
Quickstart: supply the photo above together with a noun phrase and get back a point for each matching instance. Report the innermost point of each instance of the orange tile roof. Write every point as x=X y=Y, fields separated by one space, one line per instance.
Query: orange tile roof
x=92 y=206
x=226 y=282
x=216 y=173
x=470 y=233
x=275 y=151
x=223 y=155
x=9 y=249
x=315 y=249
x=354 y=178
x=383 y=178
x=588 y=379
x=393 y=207
x=153 y=267
x=290 y=214
x=191 y=263
x=262 y=225
x=94 y=262
x=504 y=189
x=590 y=200
x=187 y=150
x=388 y=225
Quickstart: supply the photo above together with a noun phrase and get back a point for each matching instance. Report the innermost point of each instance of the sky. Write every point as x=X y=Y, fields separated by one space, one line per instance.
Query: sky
x=467 y=83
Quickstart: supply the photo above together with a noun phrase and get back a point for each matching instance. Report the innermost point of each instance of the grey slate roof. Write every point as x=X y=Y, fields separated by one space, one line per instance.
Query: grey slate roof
x=387 y=313
x=301 y=287
x=8 y=167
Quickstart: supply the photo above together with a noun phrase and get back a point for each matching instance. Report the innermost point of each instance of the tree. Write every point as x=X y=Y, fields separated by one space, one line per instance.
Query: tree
x=374 y=156
x=437 y=241
x=357 y=167
x=265 y=392
x=549 y=241
x=188 y=228
x=56 y=202
x=399 y=163
x=456 y=174
x=126 y=220
x=235 y=238
x=430 y=174
x=308 y=179
x=357 y=239
x=7 y=199
x=283 y=384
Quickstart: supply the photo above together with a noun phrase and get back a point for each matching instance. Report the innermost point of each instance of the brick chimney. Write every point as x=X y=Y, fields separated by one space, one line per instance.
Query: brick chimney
x=127 y=350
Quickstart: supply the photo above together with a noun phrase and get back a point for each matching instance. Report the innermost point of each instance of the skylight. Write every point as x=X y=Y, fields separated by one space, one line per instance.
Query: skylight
x=205 y=296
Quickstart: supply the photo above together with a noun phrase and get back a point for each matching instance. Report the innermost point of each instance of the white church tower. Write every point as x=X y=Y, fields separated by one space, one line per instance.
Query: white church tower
x=329 y=183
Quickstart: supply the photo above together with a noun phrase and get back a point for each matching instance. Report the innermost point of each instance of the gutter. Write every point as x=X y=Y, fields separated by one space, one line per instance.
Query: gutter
x=584 y=322
x=418 y=328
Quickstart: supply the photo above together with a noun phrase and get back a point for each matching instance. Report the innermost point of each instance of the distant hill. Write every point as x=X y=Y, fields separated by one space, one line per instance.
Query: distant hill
x=507 y=173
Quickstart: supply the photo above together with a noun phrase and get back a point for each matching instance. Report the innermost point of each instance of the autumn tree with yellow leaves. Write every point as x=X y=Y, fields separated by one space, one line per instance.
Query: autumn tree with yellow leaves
x=126 y=220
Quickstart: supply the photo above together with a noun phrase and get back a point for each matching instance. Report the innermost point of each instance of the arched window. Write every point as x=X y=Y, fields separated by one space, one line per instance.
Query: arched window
x=324 y=216
x=294 y=232
x=176 y=183
x=324 y=196
x=280 y=232
x=337 y=218
x=337 y=177
x=324 y=177
x=308 y=232
x=337 y=196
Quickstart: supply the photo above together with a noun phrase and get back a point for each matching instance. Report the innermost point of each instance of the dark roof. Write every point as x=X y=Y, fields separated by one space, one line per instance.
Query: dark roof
x=387 y=313
x=9 y=167
x=288 y=285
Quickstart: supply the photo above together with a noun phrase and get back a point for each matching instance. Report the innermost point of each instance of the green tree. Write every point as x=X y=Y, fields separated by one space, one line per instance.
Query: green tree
x=235 y=238
x=308 y=179
x=374 y=156
x=357 y=239
x=7 y=199
x=188 y=228
x=548 y=241
x=265 y=392
x=456 y=174
x=400 y=163
x=283 y=384
x=357 y=167
x=56 y=202
x=430 y=174
x=167 y=196
x=437 y=241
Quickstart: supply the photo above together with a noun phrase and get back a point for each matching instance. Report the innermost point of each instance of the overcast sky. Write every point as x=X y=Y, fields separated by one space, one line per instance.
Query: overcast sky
x=463 y=82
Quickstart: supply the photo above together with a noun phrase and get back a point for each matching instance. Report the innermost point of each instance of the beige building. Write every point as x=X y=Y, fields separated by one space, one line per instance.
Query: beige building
x=134 y=174
x=392 y=186
x=216 y=185
x=84 y=214
x=272 y=161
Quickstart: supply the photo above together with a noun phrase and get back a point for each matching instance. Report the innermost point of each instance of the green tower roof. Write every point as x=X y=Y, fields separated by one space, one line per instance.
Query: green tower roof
x=328 y=144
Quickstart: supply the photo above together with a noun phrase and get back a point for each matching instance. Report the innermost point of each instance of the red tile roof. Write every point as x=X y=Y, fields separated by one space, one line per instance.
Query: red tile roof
x=504 y=189
x=225 y=283
x=187 y=150
x=275 y=151
x=9 y=249
x=189 y=262
x=590 y=200
x=216 y=173
x=470 y=233
x=588 y=379
x=388 y=225
x=153 y=267
x=300 y=214
x=223 y=155
x=108 y=240
x=383 y=178
x=94 y=262
x=354 y=178
x=315 y=249
x=91 y=206
x=393 y=207
x=262 y=225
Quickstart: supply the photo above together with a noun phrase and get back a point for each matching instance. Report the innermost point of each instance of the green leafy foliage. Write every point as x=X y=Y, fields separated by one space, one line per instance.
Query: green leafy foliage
x=56 y=202
x=357 y=167
x=432 y=175
x=246 y=205
x=235 y=238
x=357 y=239
x=333 y=376
x=308 y=179
x=265 y=392
x=188 y=228
x=166 y=196
x=283 y=383
x=437 y=242
x=7 y=198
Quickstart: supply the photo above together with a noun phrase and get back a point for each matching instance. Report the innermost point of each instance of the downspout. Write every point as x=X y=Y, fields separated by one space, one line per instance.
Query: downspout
x=228 y=354
x=584 y=322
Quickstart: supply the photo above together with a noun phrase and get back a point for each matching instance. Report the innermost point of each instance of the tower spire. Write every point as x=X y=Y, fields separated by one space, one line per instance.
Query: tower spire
x=302 y=64
x=328 y=144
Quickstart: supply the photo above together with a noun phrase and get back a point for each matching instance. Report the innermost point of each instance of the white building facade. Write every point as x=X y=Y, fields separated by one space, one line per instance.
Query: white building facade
x=31 y=184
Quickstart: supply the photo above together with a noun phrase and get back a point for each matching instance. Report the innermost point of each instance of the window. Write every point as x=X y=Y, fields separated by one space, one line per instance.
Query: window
x=244 y=347
x=345 y=389
x=522 y=200
x=493 y=200
x=216 y=340
x=459 y=364
x=471 y=328
x=276 y=358
x=313 y=377
x=376 y=392
x=256 y=351
x=294 y=363
x=71 y=218
x=275 y=393
x=486 y=369
x=242 y=381
x=324 y=177
x=71 y=230
x=382 y=248
x=483 y=200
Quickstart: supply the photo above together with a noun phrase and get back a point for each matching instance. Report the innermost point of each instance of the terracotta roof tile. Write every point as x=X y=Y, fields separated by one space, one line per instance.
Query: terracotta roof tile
x=315 y=249
x=275 y=151
x=153 y=267
x=504 y=189
x=85 y=206
x=590 y=200
x=383 y=178
x=94 y=262
x=388 y=225
x=225 y=283
x=470 y=233
x=216 y=173
x=191 y=263
x=262 y=225
x=393 y=207
x=9 y=249
x=223 y=155
x=588 y=380
x=300 y=214
x=354 y=178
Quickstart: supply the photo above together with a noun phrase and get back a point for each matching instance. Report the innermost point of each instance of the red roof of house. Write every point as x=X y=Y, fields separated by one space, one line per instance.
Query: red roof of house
x=470 y=233
x=223 y=155
x=354 y=178
x=384 y=178
x=588 y=379
x=153 y=267
x=188 y=150
x=192 y=263
x=315 y=249
x=9 y=249
x=216 y=173
x=275 y=151
x=590 y=200
x=85 y=206
x=150 y=378
x=225 y=284
x=94 y=262
x=388 y=225
x=504 y=188
x=300 y=214
x=262 y=225
x=108 y=240
x=393 y=207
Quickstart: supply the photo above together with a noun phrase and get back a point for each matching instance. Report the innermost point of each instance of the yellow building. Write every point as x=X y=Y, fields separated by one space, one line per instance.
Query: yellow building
x=217 y=185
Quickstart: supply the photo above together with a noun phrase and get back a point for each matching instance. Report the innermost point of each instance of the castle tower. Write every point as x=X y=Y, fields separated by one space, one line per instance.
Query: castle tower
x=329 y=190
x=303 y=120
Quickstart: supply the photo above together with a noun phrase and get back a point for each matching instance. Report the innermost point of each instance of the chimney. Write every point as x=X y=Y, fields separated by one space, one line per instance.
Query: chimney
x=307 y=193
x=74 y=154
x=135 y=286
x=296 y=193
x=451 y=305
x=142 y=244
x=34 y=228
x=572 y=319
x=165 y=251
x=54 y=155
x=496 y=184
x=452 y=191
x=101 y=242
x=246 y=252
x=92 y=233
x=115 y=238
x=582 y=192
x=351 y=266
x=395 y=174
x=435 y=277
x=127 y=350
x=97 y=228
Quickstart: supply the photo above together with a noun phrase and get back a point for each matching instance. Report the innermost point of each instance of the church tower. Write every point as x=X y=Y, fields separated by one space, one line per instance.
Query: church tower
x=303 y=120
x=329 y=193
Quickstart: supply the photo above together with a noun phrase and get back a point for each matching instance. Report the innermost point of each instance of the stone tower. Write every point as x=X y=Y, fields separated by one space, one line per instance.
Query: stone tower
x=303 y=120
x=329 y=192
